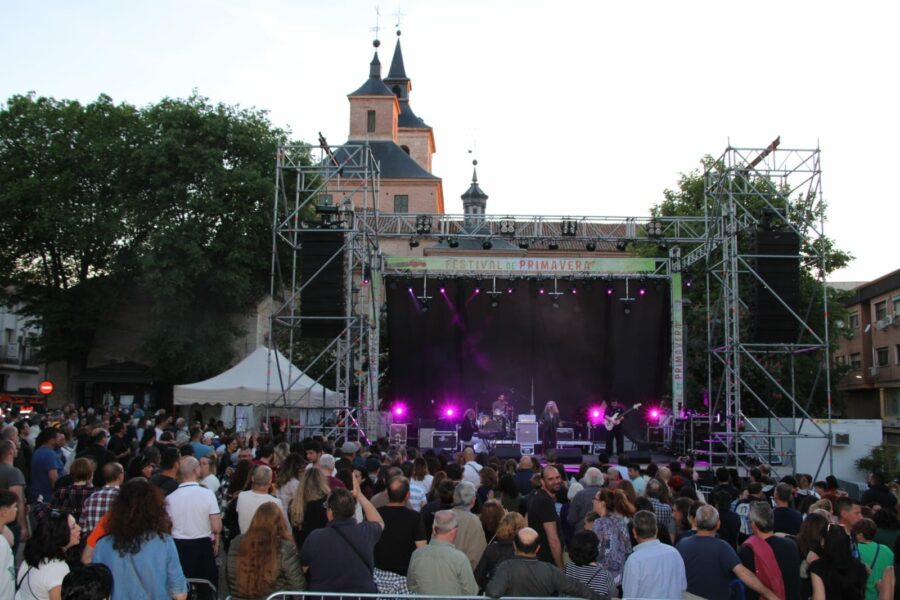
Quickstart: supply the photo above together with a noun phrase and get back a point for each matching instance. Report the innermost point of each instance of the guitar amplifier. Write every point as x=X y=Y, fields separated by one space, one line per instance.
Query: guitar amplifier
x=398 y=435
x=443 y=440
x=425 y=437
x=526 y=433
x=565 y=434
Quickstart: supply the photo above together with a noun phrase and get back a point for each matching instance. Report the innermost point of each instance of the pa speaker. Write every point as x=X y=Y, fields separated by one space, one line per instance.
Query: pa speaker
x=569 y=456
x=322 y=276
x=506 y=452
x=641 y=457
x=776 y=288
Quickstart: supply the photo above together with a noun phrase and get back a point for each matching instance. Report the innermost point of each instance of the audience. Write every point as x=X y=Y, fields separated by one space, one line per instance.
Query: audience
x=41 y=573
x=439 y=569
x=653 y=569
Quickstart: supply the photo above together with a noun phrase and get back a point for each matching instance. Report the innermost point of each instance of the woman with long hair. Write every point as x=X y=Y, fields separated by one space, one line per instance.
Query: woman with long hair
x=500 y=549
x=490 y=516
x=264 y=559
x=549 y=424
x=508 y=493
x=239 y=482
x=288 y=477
x=837 y=574
x=436 y=481
x=809 y=544
x=307 y=510
x=611 y=528
x=488 y=484
x=138 y=547
x=41 y=574
x=420 y=475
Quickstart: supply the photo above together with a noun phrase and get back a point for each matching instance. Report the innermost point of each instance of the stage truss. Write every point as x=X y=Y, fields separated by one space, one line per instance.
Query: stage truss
x=350 y=176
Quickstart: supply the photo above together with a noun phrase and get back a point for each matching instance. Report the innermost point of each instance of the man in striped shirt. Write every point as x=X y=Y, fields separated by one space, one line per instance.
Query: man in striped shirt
x=99 y=503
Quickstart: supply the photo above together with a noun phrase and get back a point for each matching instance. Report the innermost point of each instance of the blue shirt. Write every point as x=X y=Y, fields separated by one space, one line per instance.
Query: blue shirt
x=710 y=566
x=654 y=571
x=43 y=461
x=153 y=573
x=201 y=450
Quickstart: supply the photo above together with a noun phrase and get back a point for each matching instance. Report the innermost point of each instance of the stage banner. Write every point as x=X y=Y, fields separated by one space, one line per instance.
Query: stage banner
x=531 y=265
x=677 y=346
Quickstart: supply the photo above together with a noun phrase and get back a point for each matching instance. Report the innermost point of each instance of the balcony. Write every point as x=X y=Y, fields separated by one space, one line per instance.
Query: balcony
x=12 y=354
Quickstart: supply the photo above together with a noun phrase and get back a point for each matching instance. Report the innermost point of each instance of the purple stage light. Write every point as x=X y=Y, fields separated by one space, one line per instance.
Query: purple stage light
x=541 y=291
x=443 y=290
x=654 y=414
x=410 y=290
x=609 y=291
x=642 y=291
x=689 y=283
x=450 y=412
x=399 y=409
x=509 y=290
x=595 y=414
x=477 y=290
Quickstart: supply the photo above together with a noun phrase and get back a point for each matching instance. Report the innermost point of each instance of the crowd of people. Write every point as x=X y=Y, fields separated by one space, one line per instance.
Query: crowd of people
x=127 y=505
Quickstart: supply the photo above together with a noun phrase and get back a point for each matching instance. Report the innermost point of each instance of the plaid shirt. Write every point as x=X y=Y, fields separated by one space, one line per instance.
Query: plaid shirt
x=97 y=505
x=71 y=498
x=663 y=514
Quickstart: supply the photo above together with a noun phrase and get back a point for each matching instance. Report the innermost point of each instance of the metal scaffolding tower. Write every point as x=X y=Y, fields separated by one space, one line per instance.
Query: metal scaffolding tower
x=322 y=190
x=744 y=188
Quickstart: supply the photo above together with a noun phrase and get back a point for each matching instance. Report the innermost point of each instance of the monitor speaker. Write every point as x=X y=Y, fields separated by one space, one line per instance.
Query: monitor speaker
x=569 y=456
x=506 y=452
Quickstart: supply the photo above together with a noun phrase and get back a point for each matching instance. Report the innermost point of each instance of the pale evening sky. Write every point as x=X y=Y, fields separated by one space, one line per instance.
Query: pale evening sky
x=579 y=108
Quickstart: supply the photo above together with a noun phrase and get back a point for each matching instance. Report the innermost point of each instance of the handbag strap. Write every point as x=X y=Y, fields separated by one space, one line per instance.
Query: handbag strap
x=354 y=548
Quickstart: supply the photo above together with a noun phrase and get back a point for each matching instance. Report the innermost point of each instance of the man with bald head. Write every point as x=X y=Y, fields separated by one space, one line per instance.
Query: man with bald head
x=471 y=469
x=439 y=569
x=196 y=523
x=525 y=575
x=543 y=518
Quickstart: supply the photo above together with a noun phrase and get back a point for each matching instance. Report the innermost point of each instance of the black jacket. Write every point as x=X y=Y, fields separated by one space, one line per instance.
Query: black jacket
x=521 y=577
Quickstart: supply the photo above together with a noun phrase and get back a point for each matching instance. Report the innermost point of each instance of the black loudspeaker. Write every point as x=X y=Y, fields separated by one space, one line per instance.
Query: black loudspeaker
x=778 y=264
x=642 y=457
x=322 y=273
x=506 y=452
x=569 y=456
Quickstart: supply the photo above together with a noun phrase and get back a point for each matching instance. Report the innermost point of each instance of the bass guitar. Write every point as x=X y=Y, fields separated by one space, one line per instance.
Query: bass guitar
x=610 y=422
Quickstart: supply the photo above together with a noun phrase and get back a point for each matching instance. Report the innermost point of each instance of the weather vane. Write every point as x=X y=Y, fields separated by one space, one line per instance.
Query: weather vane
x=377 y=27
x=399 y=14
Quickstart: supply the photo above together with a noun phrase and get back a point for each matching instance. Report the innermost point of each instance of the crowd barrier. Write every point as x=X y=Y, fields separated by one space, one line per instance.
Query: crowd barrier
x=352 y=596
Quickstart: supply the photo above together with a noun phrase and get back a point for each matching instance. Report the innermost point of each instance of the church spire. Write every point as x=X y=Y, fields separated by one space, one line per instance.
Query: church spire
x=374 y=86
x=474 y=200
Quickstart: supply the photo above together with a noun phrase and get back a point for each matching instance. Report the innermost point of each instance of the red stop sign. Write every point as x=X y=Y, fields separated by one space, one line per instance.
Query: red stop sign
x=46 y=388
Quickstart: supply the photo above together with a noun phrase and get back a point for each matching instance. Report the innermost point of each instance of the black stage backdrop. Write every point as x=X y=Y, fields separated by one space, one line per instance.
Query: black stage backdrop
x=463 y=352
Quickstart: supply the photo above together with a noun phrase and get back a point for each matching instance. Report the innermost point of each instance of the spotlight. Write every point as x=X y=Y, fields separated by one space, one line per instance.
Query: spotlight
x=590 y=246
x=487 y=244
x=573 y=289
x=609 y=291
x=410 y=289
x=423 y=224
x=449 y=412
x=553 y=246
x=398 y=410
x=621 y=245
x=595 y=415
x=414 y=242
x=654 y=414
x=477 y=290
x=569 y=228
x=367 y=275
x=641 y=292
x=541 y=291
x=453 y=243
x=523 y=245
x=443 y=290
x=509 y=290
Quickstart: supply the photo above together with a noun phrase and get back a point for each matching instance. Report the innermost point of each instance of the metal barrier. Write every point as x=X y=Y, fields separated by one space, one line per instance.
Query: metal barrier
x=308 y=595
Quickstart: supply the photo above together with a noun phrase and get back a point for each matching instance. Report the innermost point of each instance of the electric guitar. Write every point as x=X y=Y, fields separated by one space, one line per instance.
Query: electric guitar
x=610 y=422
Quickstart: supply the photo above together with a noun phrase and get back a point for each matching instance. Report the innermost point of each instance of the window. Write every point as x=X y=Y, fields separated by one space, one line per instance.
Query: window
x=370 y=121
x=854 y=322
x=856 y=361
x=896 y=303
x=881 y=357
x=401 y=203
x=880 y=310
x=891 y=403
x=897 y=352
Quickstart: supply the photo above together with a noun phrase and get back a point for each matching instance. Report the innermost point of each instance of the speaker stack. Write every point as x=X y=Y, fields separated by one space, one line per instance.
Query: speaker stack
x=777 y=261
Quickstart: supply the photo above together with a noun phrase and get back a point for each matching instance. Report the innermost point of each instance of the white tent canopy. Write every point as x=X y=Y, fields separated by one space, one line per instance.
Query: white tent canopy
x=249 y=382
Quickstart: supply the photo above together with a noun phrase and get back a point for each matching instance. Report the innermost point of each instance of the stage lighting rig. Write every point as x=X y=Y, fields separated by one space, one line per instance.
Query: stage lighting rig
x=622 y=245
x=507 y=226
x=423 y=224
x=590 y=246
x=453 y=242
x=487 y=244
x=553 y=245
x=555 y=294
x=495 y=294
x=523 y=244
x=627 y=300
x=414 y=242
x=654 y=229
x=569 y=228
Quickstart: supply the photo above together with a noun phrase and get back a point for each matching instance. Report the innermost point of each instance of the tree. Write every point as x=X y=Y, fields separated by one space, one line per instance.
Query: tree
x=67 y=239
x=687 y=199
x=173 y=199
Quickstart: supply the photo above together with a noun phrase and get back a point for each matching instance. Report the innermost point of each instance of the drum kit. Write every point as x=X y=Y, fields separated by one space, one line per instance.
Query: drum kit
x=498 y=424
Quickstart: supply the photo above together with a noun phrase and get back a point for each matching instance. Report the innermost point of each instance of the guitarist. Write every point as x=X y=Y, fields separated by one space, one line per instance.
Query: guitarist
x=614 y=416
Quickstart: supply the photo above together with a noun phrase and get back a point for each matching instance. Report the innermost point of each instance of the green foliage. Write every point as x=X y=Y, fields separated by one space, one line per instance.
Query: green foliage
x=882 y=459
x=173 y=199
x=803 y=377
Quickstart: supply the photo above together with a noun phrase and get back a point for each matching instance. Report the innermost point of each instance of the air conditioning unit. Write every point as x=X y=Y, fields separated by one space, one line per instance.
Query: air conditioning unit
x=840 y=438
x=873 y=371
x=895 y=320
x=884 y=323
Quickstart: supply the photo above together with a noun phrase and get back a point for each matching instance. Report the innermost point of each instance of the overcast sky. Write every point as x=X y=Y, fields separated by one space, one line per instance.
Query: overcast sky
x=578 y=108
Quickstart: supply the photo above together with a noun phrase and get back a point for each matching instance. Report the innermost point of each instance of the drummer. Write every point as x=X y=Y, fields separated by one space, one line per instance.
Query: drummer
x=500 y=405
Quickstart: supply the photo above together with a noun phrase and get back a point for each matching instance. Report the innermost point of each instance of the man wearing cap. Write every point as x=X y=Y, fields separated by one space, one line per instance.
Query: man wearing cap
x=348 y=456
x=326 y=466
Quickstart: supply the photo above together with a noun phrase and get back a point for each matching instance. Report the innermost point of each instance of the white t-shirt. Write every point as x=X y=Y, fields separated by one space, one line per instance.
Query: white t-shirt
x=247 y=504
x=190 y=507
x=425 y=483
x=212 y=483
x=37 y=582
x=7 y=570
x=472 y=473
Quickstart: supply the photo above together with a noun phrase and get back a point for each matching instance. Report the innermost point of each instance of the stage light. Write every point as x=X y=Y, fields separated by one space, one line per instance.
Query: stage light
x=495 y=302
x=477 y=290
x=424 y=303
x=453 y=243
x=523 y=245
x=398 y=410
x=590 y=246
x=595 y=415
x=367 y=275
x=414 y=242
x=641 y=292
x=573 y=288
x=509 y=290
x=443 y=290
x=553 y=246
x=449 y=412
x=423 y=224
x=609 y=291
x=541 y=291
x=621 y=245
x=487 y=244
x=626 y=308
